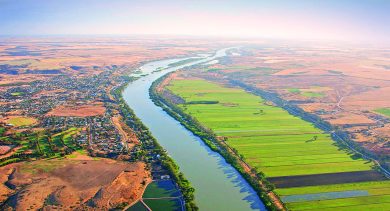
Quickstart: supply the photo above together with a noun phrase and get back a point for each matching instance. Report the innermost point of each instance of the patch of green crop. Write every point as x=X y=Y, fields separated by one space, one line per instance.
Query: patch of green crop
x=16 y=93
x=294 y=90
x=370 y=186
x=313 y=94
x=158 y=189
x=345 y=202
x=384 y=111
x=163 y=204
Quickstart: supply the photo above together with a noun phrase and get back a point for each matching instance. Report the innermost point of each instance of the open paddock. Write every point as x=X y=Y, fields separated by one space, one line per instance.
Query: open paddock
x=78 y=111
x=19 y=121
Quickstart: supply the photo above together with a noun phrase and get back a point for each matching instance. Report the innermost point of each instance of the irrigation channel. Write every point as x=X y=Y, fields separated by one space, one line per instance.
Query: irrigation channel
x=218 y=185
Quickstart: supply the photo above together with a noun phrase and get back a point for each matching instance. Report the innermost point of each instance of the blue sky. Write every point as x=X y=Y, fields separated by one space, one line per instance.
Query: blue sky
x=355 y=20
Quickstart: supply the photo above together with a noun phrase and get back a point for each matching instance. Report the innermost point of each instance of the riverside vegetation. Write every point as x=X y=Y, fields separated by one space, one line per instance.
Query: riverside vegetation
x=150 y=146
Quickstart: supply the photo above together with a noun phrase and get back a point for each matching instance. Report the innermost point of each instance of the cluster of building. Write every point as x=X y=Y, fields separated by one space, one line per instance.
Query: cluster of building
x=37 y=98
x=104 y=137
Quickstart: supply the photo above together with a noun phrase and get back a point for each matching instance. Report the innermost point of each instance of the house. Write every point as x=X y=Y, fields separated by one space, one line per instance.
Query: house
x=165 y=177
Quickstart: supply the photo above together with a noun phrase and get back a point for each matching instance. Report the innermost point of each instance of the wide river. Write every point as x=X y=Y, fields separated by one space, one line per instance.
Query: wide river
x=218 y=186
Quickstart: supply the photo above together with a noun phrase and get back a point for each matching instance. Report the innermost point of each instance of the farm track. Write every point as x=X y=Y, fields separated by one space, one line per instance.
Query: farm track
x=140 y=199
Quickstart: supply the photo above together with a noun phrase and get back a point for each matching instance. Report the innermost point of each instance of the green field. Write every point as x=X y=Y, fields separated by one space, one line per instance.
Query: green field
x=373 y=188
x=294 y=90
x=158 y=189
x=21 y=121
x=270 y=139
x=384 y=111
x=313 y=94
x=137 y=207
x=16 y=93
x=67 y=136
x=163 y=204
x=162 y=195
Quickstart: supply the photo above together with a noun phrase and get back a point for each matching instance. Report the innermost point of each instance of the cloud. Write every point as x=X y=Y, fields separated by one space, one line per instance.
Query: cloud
x=339 y=20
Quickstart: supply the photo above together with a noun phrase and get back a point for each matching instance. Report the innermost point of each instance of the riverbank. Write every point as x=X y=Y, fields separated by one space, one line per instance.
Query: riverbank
x=146 y=137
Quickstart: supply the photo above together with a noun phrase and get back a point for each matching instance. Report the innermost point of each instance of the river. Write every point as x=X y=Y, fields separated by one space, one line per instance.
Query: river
x=218 y=186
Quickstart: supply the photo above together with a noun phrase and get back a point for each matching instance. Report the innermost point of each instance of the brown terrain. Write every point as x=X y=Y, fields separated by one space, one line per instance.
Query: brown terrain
x=5 y=149
x=78 y=182
x=78 y=111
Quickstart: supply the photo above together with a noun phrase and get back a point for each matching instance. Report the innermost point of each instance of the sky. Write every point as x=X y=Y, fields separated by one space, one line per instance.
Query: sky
x=345 y=20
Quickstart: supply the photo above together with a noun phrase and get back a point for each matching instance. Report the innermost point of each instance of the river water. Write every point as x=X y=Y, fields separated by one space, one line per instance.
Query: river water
x=218 y=185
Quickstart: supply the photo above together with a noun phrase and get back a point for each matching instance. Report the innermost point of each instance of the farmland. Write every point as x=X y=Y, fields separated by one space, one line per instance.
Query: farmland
x=160 y=195
x=283 y=146
x=384 y=111
x=313 y=92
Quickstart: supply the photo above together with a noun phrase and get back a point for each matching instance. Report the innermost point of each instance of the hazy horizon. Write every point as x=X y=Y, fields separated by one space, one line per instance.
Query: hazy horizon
x=346 y=20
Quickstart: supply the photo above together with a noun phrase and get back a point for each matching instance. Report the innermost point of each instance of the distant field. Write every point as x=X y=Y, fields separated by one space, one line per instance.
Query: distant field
x=275 y=142
x=314 y=92
x=384 y=111
x=294 y=90
x=21 y=121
